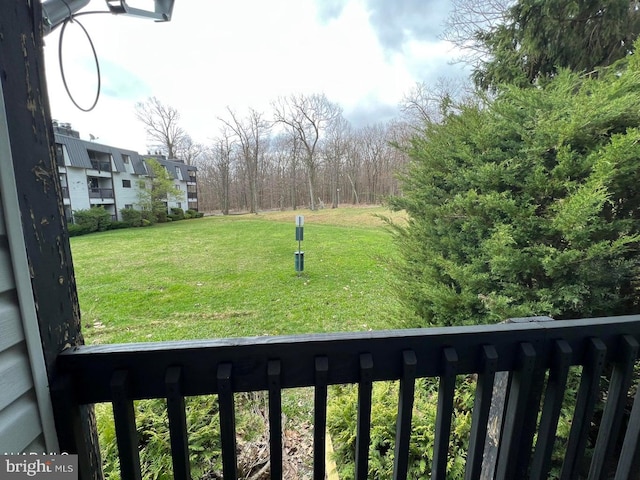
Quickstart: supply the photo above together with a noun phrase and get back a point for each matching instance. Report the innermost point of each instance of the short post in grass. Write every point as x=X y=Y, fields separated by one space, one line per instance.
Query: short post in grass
x=299 y=255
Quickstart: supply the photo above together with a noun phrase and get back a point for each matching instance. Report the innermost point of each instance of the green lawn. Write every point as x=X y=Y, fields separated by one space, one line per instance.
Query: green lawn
x=234 y=276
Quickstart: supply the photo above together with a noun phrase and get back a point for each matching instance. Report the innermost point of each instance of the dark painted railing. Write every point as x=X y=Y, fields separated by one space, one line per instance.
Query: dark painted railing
x=100 y=192
x=101 y=165
x=535 y=354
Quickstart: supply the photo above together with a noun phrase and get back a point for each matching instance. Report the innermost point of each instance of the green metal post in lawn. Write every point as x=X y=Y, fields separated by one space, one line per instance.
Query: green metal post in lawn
x=299 y=255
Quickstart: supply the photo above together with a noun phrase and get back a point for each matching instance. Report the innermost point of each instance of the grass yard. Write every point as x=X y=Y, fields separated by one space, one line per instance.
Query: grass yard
x=234 y=276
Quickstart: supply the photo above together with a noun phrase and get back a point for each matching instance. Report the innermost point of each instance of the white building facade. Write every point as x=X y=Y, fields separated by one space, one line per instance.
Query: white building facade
x=93 y=175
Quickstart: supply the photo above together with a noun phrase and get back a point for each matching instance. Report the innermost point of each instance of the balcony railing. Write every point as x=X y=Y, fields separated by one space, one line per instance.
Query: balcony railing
x=100 y=192
x=101 y=166
x=535 y=356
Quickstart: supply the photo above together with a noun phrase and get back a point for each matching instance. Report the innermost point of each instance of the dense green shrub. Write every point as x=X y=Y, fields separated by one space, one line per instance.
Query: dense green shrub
x=117 y=225
x=77 y=230
x=161 y=215
x=95 y=219
x=177 y=214
x=191 y=213
x=132 y=217
x=342 y=417
x=526 y=204
x=154 y=443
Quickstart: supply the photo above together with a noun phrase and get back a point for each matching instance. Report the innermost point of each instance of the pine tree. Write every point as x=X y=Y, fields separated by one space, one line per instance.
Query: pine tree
x=526 y=205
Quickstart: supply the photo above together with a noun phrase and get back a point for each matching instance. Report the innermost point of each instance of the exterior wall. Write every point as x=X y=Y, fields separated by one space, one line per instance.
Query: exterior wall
x=78 y=188
x=75 y=168
x=126 y=196
x=26 y=416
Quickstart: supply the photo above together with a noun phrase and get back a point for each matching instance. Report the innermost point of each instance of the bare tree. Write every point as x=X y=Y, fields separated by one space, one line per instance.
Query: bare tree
x=335 y=151
x=468 y=21
x=221 y=154
x=188 y=151
x=161 y=124
x=307 y=117
x=426 y=103
x=250 y=133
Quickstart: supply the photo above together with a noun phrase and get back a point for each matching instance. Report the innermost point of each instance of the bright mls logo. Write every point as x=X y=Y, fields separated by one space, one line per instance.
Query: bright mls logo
x=37 y=466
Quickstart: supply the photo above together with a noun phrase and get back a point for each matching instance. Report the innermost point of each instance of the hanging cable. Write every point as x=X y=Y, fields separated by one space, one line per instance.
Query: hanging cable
x=72 y=19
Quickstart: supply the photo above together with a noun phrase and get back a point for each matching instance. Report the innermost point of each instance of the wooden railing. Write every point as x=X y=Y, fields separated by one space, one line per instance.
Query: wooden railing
x=536 y=355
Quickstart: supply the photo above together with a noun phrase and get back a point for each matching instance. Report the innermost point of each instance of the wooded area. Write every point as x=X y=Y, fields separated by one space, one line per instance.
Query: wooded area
x=302 y=154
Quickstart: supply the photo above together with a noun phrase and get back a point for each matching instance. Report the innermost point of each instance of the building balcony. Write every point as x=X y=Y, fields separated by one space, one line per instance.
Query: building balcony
x=519 y=370
x=101 y=166
x=103 y=193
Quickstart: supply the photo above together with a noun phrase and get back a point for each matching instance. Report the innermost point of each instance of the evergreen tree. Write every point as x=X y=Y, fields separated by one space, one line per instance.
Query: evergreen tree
x=526 y=205
x=154 y=192
x=540 y=36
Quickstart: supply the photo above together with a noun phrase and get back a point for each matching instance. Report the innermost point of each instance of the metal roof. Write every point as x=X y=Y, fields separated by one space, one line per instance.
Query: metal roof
x=79 y=156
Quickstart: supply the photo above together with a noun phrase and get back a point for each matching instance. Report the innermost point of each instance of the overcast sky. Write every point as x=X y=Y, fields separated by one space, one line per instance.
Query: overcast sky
x=363 y=54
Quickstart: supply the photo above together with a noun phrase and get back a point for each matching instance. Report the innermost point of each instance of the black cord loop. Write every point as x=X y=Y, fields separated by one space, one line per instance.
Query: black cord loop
x=71 y=19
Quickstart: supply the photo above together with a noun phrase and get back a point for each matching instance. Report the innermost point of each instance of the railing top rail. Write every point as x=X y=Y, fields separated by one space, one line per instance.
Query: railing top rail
x=93 y=366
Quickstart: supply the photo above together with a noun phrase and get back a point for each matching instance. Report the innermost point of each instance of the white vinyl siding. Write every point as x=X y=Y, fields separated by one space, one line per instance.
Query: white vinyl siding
x=26 y=417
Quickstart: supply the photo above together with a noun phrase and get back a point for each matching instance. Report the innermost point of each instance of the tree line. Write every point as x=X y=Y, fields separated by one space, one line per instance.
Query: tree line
x=304 y=153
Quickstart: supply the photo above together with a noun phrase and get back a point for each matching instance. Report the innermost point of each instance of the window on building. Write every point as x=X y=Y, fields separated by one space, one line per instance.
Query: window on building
x=126 y=159
x=128 y=206
x=179 y=204
x=126 y=183
x=177 y=187
x=179 y=173
x=59 y=154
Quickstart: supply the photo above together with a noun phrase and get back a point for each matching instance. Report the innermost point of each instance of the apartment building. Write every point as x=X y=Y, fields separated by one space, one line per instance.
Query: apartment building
x=92 y=175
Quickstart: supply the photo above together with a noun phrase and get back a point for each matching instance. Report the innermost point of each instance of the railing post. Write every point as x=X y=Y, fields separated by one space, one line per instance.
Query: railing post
x=124 y=418
x=515 y=414
x=177 y=424
x=405 y=411
x=583 y=412
x=76 y=427
x=363 y=432
x=320 y=417
x=275 y=419
x=446 y=392
x=612 y=416
x=227 y=422
x=553 y=398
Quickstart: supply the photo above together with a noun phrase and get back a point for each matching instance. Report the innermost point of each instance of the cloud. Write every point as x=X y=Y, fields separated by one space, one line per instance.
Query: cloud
x=121 y=83
x=330 y=9
x=371 y=112
x=395 y=22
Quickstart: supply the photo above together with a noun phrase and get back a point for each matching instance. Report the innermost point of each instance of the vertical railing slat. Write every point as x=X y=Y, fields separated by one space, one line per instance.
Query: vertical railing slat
x=585 y=402
x=515 y=413
x=554 y=395
x=227 y=422
x=363 y=433
x=480 y=416
x=630 y=454
x=275 y=419
x=177 y=424
x=446 y=391
x=405 y=410
x=125 y=422
x=320 y=417
x=614 y=409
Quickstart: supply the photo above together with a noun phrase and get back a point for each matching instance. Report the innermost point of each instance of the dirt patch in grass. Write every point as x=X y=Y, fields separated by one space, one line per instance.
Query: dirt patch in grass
x=364 y=216
x=212 y=315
